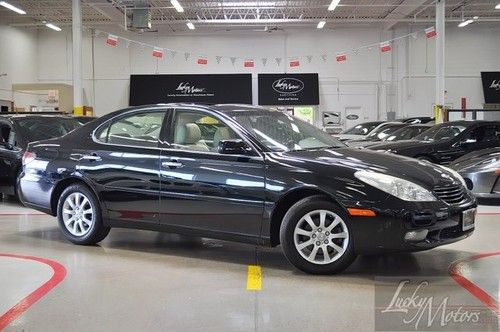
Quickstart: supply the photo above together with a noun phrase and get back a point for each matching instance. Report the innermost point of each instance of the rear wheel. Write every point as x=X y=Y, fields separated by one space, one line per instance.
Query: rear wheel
x=79 y=216
x=316 y=236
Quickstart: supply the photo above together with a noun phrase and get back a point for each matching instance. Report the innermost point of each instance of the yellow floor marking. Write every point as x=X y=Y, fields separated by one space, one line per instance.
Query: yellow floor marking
x=254 y=277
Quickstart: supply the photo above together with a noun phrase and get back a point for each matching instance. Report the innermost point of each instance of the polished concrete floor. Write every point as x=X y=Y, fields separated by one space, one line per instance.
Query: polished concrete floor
x=147 y=281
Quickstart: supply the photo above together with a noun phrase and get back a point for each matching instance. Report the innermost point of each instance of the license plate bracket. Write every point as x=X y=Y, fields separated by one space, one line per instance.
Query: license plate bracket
x=468 y=219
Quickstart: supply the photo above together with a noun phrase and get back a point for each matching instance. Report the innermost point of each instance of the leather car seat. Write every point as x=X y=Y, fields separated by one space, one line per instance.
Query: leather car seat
x=188 y=136
x=221 y=134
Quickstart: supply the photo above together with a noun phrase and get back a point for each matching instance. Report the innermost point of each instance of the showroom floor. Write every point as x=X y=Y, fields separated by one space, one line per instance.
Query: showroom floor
x=140 y=280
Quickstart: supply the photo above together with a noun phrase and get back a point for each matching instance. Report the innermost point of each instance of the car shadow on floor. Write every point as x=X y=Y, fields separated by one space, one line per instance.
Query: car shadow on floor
x=433 y=263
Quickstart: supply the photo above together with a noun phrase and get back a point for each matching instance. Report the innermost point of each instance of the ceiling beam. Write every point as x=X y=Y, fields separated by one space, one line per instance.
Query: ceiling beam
x=404 y=9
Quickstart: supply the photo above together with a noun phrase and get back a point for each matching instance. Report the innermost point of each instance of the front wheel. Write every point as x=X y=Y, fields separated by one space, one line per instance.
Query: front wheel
x=316 y=236
x=79 y=216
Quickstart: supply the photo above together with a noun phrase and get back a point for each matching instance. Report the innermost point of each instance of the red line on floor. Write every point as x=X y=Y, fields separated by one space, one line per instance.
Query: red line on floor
x=28 y=301
x=475 y=290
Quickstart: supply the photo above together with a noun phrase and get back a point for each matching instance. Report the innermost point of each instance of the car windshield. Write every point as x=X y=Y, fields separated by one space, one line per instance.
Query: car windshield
x=281 y=132
x=382 y=132
x=441 y=133
x=41 y=128
x=361 y=129
x=406 y=133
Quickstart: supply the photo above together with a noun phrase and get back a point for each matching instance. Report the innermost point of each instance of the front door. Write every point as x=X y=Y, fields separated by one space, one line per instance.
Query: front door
x=124 y=164
x=10 y=158
x=203 y=189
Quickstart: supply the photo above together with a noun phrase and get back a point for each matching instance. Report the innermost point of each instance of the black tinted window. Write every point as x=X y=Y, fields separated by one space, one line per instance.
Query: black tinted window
x=41 y=128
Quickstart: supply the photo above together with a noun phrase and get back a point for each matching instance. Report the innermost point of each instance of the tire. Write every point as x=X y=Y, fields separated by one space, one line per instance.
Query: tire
x=76 y=225
x=338 y=242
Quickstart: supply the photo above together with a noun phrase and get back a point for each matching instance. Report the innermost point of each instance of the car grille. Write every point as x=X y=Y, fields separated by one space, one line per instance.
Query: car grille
x=450 y=194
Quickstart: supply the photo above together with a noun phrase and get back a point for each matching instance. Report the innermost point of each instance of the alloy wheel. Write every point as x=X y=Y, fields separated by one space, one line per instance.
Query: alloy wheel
x=78 y=214
x=321 y=237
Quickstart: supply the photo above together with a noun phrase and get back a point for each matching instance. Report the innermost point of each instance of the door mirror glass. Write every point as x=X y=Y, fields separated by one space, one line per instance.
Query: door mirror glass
x=233 y=146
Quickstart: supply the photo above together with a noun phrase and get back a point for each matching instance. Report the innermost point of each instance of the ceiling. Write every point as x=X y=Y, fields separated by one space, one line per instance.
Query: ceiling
x=240 y=15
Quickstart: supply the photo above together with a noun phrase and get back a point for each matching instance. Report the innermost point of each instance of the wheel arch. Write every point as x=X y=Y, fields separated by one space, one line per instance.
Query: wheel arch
x=61 y=186
x=286 y=202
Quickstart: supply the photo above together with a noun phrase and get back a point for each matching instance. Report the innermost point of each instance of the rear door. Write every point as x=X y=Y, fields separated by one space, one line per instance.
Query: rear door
x=124 y=164
x=10 y=157
x=203 y=189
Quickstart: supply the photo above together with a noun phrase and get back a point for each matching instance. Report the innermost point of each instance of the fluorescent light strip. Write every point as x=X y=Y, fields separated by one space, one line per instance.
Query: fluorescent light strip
x=321 y=24
x=53 y=27
x=465 y=23
x=12 y=7
x=333 y=5
x=177 y=6
x=190 y=25
x=497 y=6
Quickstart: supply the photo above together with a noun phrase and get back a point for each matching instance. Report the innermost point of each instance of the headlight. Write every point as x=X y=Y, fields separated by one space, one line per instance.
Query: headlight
x=403 y=189
x=455 y=174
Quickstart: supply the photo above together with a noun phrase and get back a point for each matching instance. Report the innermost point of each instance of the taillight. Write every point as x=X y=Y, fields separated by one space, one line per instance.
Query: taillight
x=28 y=157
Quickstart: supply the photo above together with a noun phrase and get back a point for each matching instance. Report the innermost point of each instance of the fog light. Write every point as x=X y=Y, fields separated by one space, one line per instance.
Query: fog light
x=416 y=235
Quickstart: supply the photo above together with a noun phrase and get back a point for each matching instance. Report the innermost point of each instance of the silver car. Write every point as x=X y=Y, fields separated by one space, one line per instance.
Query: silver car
x=481 y=171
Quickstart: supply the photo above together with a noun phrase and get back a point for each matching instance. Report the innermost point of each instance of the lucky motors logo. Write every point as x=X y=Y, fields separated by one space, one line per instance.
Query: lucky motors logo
x=495 y=85
x=186 y=88
x=288 y=85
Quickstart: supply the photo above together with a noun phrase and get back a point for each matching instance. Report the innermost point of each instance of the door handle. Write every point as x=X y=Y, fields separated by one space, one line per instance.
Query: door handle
x=90 y=157
x=172 y=164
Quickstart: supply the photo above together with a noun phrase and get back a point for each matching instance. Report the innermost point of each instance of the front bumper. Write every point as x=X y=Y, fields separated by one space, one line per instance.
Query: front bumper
x=386 y=232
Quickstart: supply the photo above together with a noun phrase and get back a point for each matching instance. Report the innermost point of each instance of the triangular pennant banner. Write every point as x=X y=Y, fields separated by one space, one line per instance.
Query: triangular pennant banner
x=233 y=60
x=158 y=52
x=264 y=61
x=323 y=57
x=278 y=61
x=186 y=56
x=112 y=40
x=309 y=58
x=174 y=53
x=218 y=59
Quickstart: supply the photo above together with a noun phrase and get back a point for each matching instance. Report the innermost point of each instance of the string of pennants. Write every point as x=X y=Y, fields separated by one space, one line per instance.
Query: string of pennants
x=293 y=62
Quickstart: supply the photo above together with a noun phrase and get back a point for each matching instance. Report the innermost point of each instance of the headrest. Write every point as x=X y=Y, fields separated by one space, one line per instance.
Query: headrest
x=188 y=133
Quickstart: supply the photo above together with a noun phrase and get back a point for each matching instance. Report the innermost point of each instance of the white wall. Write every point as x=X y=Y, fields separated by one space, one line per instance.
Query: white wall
x=400 y=81
x=18 y=51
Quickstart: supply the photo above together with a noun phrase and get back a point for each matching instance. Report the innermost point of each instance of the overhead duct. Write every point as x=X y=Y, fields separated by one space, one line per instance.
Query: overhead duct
x=141 y=18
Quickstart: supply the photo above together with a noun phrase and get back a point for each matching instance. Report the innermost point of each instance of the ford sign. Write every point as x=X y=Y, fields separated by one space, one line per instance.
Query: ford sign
x=288 y=85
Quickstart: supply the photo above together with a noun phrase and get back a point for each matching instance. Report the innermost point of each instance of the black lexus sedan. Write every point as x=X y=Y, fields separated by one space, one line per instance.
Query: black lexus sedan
x=16 y=131
x=246 y=174
x=448 y=141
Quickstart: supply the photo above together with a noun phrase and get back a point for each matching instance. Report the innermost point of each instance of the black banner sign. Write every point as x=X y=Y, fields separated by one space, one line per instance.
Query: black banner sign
x=288 y=89
x=491 y=87
x=207 y=89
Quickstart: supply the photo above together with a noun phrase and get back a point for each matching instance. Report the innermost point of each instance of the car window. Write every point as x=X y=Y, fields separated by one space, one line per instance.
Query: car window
x=139 y=129
x=5 y=131
x=406 y=133
x=39 y=128
x=198 y=131
x=486 y=133
x=441 y=132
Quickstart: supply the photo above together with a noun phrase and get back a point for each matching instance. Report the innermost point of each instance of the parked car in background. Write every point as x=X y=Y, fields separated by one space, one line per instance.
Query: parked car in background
x=481 y=171
x=17 y=130
x=417 y=119
x=261 y=177
x=443 y=143
x=377 y=135
x=85 y=119
x=405 y=133
x=359 y=131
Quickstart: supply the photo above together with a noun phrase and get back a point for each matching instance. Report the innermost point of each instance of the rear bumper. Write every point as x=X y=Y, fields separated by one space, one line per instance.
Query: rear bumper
x=35 y=191
x=386 y=232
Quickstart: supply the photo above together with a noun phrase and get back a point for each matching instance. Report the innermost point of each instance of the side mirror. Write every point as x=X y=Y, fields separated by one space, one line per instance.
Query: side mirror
x=233 y=146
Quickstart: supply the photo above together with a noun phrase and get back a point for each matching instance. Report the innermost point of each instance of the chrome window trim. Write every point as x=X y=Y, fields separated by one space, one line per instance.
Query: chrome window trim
x=166 y=108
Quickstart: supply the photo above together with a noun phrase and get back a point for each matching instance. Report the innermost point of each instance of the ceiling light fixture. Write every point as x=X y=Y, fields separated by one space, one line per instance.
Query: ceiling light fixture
x=12 y=7
x=177 y=6
x=190 y=25
x=321 y=24
x=497 y=6
x=53 y=27
x=465 y=23
x=333 y=5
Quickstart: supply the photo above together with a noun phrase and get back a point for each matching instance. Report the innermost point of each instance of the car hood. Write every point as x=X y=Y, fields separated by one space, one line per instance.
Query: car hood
x=400 y=145
x=482 y=159
x=349 y=160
